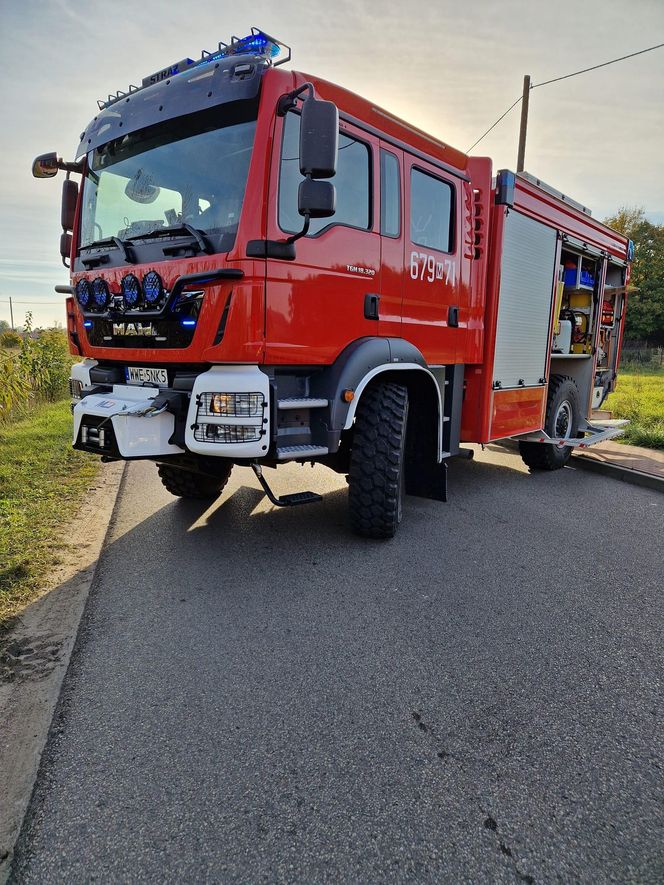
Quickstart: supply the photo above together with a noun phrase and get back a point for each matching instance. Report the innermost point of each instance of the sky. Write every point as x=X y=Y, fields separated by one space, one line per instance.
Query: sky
x=446 y=67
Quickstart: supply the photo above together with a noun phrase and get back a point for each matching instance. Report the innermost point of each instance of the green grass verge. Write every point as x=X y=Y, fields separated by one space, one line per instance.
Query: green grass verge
x=42 y=483
x=639 y=396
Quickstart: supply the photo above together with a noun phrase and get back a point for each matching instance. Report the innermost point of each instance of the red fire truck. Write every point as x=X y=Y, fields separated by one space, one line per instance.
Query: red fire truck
x=266 y=268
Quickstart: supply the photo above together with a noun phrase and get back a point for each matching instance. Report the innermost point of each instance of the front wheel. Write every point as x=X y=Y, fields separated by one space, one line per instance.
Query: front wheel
x=376 y=476
x=561 y=421
x=187 y=484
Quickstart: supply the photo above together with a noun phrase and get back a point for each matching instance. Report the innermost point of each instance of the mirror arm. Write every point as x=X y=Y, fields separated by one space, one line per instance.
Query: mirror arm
x=289 y=100
x=70 y=167
x=303 y=232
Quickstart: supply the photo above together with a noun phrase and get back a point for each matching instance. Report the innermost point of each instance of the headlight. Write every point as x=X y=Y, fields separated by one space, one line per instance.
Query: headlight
x=75 y=388
x=228 y=433
x=232 y=405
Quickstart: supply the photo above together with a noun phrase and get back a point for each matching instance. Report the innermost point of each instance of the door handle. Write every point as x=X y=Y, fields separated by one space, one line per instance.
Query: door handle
x=453 y=317
x=371 y=306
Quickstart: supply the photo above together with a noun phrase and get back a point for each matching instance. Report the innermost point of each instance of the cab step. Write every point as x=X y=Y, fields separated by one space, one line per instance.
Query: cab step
x=296 y=498
x=291 y=453
x=302 y=402
x=292 y=500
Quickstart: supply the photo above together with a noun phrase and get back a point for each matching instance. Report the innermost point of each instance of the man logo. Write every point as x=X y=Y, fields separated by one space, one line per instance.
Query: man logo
x=146 y=330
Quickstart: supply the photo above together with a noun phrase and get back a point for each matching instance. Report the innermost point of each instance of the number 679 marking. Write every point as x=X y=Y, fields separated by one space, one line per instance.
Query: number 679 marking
x=425 y=267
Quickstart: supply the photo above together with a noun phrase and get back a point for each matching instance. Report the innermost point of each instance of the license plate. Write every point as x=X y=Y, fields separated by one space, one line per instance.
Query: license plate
x=146 y=375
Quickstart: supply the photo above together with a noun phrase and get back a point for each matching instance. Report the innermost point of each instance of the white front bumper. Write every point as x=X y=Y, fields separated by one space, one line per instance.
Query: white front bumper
x=136 y=437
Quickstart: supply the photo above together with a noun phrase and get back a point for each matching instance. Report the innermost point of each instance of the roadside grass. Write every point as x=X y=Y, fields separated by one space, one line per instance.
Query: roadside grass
x=639 y=396
x=42 y=483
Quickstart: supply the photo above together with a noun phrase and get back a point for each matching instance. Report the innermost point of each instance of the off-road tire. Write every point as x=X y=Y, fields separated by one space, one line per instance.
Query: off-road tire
x=376 y=476
x=187 y=484
x=540 y=456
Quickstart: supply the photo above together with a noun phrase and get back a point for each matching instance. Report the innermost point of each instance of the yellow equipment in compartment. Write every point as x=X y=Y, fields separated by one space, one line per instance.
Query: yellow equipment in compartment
x=580 y=304
x=560 y=288
x=580 y=300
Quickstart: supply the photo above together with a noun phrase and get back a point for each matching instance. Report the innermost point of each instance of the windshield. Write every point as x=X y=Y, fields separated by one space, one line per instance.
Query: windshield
x=192 y=170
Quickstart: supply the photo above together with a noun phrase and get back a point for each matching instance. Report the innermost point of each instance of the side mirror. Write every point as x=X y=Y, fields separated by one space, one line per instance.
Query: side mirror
x=65 y=247
x=319 y=138
x=45 y=166
x=68 y=208
x=316 y=199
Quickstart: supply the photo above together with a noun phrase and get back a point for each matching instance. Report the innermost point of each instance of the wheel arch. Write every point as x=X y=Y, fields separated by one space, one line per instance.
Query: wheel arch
x=367 y=360
x=424 y=394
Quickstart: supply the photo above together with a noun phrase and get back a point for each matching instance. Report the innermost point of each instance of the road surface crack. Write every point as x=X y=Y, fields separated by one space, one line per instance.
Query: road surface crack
x=441 y=752
x=490 y=823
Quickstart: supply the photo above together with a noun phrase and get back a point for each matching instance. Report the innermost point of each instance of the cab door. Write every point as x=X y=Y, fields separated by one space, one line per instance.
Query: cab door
x=436 y=301
x=322 y=301
x=391 y=240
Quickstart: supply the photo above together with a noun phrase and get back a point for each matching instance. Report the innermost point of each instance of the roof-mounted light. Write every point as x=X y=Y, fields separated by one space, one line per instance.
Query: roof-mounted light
x=273 y=51
x=256 y=43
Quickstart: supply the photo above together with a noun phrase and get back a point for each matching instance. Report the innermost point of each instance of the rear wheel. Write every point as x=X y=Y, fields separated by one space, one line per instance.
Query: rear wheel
x=376 y=477
x=561 y=421
x=187 y=484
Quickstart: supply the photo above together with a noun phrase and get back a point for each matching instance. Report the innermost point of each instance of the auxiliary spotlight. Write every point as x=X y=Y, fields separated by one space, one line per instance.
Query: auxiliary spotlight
x=100 y=293
x=83 y=293
x=131 y=291
x=153 y=288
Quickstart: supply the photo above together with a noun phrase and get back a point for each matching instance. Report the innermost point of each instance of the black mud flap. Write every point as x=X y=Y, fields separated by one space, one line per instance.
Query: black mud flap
x=427 y=481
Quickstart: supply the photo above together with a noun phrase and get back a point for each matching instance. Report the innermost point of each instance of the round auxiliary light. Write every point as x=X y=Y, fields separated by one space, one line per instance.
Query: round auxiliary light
x=153 y=288
x=100 y=294
x=84 y=293
x=131 y=291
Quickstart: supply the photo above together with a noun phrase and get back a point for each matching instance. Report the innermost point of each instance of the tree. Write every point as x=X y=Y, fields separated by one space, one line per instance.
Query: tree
x=645 y=306
x=4 y=326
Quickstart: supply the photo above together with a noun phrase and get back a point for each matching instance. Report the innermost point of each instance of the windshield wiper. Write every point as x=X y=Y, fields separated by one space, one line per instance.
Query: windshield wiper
x=107 y=241
x=193 y=232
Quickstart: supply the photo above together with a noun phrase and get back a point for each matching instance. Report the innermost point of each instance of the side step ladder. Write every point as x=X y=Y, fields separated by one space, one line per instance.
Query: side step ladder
x=286 y=500
x=597 y=432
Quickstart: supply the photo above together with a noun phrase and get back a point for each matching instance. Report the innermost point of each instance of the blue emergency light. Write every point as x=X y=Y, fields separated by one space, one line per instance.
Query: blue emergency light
x=257 y=43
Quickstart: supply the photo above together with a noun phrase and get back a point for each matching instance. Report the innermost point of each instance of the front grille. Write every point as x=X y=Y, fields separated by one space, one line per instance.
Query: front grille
x=134 y=333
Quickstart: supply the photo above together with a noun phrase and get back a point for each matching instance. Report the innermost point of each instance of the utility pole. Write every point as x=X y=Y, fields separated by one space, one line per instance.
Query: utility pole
x=11 y=312
x=524 y=124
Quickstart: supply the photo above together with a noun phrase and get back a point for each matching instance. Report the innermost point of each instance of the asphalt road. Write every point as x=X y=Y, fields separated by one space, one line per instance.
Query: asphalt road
x=258 y=695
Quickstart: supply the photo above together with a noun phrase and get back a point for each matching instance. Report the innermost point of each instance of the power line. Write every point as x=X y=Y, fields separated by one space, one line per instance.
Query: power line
x=493 y=125
x=3 y=301
x=564 y=77
x=595 y=67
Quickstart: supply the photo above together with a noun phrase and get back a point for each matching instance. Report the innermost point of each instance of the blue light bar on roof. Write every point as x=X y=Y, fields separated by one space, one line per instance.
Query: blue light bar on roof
x=257 y=43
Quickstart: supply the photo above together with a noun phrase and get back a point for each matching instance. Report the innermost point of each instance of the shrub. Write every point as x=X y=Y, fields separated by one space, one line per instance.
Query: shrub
x=38 y=370
x=14 y=386
x=10 y=339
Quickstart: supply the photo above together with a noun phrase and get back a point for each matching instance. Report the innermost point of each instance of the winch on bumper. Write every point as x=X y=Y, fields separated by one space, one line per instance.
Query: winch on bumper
x=226 y=415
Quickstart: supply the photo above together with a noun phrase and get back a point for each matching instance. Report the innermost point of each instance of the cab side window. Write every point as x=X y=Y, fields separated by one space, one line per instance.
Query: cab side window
x=431 y=208
x=352 y=183
x=390 y=195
